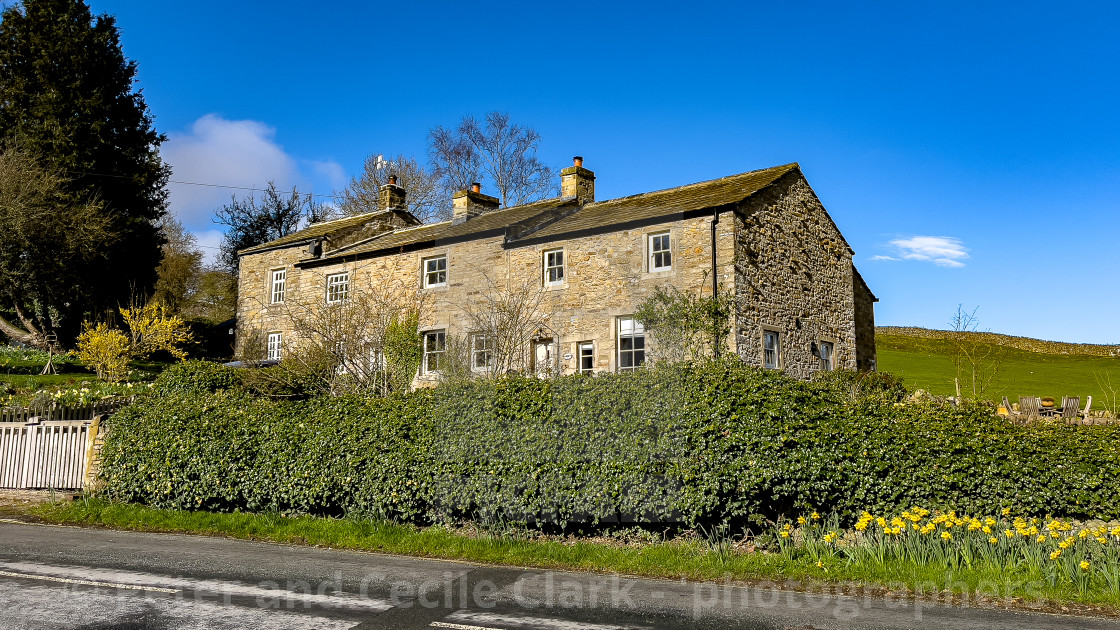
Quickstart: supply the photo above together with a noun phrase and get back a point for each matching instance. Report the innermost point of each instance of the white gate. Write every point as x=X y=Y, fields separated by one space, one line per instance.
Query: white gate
x=40 y=455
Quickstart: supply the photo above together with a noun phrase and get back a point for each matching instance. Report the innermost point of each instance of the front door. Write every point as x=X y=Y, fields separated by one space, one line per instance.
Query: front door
x=544 y=357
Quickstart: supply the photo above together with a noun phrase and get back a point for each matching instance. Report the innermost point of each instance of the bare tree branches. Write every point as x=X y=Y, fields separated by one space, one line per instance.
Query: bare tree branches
x=427 y=199
x=366 y=343
x=504 y=152
x=504 y=318
x=978 y=361
x=251 y=223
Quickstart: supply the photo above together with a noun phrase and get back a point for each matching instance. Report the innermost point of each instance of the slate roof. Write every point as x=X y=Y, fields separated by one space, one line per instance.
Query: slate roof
x=487 y=223
x=545 y=220
x=313 y=231
x=709 y=194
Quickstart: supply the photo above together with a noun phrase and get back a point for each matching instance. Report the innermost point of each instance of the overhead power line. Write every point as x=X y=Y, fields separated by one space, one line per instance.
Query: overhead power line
x=177 y=181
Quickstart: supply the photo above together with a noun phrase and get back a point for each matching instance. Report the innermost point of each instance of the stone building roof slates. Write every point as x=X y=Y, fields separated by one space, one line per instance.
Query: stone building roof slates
x=485 y=222
x=593 y=216
x=313 y=231
x=709 y=194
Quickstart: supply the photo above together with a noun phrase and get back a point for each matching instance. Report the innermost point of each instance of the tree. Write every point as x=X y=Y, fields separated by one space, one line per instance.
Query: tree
x=427 y=199
x=250 y=223
x=215 y=300
x=504 y=317
x=367 y=343
x=151 y=329
x=980 y=362
x=503 y=152
x=67 y=96
x=180 y=270
x=684 y=326
x=49 y=245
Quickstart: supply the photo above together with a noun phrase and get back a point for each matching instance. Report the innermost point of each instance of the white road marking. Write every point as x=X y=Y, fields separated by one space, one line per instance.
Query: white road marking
x=151 y=581
x=468 y=620
x=459 y=626
x=43 y=607
x=51 y=578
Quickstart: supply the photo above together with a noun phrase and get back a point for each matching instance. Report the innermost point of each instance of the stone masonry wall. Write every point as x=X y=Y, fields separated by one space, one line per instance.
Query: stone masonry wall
x=606 y=276
x=866 y=358
x=256 y=314
x=793 y=275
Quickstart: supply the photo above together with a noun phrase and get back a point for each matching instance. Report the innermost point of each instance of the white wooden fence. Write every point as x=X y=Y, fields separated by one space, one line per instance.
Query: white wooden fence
x=55 y=411
x=45 y=454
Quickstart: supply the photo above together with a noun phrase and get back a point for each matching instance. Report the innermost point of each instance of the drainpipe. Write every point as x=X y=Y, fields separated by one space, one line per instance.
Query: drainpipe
x=715 y=278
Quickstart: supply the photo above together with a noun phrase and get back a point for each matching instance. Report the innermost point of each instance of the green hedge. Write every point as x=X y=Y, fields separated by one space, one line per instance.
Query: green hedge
x=699 y=445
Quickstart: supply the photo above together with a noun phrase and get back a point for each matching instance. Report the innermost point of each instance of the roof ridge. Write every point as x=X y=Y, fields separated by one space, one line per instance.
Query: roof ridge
x=342 y=250
x=346 y=218
x=789 y=166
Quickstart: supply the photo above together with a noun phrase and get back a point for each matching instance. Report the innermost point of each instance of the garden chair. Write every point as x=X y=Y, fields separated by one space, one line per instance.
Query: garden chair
x=1009 y=411
x=1071 y=408
x=1030 y=406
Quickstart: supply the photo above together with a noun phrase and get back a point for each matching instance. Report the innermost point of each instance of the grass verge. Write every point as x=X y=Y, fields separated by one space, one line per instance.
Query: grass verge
x=689 y=558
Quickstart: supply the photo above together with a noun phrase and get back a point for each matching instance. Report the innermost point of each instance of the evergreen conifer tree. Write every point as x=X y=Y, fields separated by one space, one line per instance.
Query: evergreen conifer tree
x=67 y=98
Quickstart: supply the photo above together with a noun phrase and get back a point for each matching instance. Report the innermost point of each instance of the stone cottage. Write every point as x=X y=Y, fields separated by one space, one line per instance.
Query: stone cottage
x=764 y=235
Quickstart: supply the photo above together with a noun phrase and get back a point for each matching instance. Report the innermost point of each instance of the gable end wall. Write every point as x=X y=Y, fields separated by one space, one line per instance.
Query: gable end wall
x=793 y=274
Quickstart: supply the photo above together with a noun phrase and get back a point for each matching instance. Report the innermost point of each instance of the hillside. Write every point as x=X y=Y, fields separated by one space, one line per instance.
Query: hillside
x=925 y=358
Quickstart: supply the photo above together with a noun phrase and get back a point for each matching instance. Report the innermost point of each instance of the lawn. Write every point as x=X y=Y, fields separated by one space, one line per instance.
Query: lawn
x=929 y=364
x=20 y=378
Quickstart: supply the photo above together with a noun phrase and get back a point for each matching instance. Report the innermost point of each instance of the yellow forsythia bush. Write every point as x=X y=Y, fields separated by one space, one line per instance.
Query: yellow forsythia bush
x=107 y=350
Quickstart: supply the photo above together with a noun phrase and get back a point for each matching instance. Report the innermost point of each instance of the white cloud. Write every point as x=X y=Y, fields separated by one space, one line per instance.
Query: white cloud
x=222 y=153
x=331 y=172
x=945 y=251
x=209 y=241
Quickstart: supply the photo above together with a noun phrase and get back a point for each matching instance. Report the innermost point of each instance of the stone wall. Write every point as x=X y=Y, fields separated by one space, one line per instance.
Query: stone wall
x=95 y=442
x=785 y=260
x=605 y=278
x=256 y=314
x=866 y=358
x=794 y=276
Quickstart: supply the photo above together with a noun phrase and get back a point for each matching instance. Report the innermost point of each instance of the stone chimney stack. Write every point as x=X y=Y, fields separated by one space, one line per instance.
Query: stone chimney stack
x=391 y=196
x=577 y=182
x=466 y=204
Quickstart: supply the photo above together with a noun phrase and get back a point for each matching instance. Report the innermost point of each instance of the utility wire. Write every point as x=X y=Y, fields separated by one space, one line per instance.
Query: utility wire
x=176 y=181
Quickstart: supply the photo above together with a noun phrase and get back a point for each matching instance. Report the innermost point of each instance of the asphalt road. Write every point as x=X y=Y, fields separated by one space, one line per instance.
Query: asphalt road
x=62 y=577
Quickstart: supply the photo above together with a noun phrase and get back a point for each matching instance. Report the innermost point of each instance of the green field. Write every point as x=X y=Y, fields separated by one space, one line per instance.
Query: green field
x=929 y=364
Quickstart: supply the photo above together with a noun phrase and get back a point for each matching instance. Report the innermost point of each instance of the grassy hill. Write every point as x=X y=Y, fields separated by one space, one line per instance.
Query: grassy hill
x=1028 y=367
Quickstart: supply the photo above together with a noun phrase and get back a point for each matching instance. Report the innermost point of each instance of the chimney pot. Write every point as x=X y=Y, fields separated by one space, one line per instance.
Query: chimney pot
x=391 y=196
x=577 y=182
x=471 y=203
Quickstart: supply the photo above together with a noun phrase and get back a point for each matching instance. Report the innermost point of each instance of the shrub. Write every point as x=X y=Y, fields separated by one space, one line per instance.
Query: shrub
x=150 y=329
x=196 y=377
x=858 y=385
x=712 y=444
x=106 y=350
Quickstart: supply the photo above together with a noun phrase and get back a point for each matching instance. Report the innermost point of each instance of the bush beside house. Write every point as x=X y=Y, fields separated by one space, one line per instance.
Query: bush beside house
x=711 y=444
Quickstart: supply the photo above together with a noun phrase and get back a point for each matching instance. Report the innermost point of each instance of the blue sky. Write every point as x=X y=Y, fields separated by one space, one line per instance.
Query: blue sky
x=970 y=152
